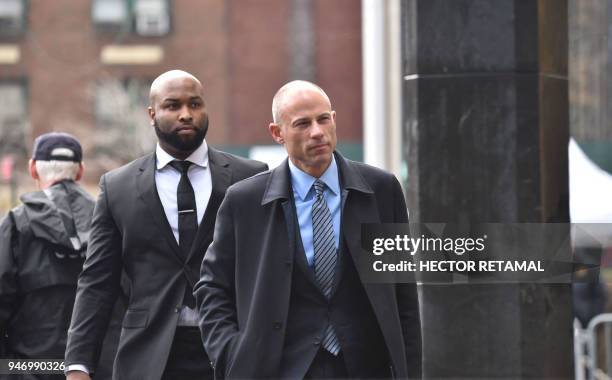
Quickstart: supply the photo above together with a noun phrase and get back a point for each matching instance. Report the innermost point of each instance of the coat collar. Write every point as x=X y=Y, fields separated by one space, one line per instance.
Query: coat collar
x=350 y=178
x=47 y=212
x=216 y=157
x=279 y=183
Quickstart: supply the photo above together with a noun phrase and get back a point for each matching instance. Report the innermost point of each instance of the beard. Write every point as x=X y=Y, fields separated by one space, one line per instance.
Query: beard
x=179 y=143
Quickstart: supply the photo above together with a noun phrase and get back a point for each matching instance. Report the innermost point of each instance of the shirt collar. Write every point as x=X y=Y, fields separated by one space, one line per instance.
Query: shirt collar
x=198 y=157
x=302 y=181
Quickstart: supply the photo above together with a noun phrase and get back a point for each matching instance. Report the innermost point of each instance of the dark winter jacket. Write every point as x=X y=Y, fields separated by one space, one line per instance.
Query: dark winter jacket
x=42 y=249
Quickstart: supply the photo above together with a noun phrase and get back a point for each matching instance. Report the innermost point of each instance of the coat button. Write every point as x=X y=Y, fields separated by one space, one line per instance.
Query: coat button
x=177 y=309
x=277 y=325
x=316 y=342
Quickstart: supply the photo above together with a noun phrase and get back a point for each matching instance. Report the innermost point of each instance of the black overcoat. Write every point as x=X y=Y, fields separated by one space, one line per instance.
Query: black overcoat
x=244 y=291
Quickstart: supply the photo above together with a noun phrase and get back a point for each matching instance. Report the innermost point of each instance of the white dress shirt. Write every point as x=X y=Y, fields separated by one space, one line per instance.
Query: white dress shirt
x=167 y=179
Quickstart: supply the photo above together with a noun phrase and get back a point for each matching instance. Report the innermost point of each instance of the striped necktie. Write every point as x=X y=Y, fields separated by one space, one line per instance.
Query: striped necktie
x=325 y=257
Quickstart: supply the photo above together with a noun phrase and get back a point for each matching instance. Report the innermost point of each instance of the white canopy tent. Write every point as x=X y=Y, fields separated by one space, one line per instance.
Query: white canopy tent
x=590 y=195
x=590 y=189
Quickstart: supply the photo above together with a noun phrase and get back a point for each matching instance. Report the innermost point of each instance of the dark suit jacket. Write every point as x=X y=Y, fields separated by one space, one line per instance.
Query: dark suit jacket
x=244 y=290
x=130 y=232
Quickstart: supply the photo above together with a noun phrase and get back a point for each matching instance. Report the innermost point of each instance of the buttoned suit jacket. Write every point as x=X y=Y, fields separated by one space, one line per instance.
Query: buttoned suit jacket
x=130 y=233
x=244 y=291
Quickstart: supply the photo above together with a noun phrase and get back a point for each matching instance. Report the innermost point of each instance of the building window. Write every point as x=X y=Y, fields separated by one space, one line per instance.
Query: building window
x=110 y=15
x=12 y=17
x=149 y=18
x=152 y=17
x=13 y=119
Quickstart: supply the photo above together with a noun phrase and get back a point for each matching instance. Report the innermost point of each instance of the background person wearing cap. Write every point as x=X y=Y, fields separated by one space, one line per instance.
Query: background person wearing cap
x=42 y=250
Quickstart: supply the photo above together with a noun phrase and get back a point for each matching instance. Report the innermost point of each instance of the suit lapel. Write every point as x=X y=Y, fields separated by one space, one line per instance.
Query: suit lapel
x=290 y=222
x=279 y=189
x=358 y=207
x=358 y=211
x=221 y=175
x=147 y=192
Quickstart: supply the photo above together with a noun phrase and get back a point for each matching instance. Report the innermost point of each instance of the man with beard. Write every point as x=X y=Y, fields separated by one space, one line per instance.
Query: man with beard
x=154 y=219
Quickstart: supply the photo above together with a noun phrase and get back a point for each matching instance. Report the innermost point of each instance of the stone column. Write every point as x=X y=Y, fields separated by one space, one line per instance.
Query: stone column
x=485 y=140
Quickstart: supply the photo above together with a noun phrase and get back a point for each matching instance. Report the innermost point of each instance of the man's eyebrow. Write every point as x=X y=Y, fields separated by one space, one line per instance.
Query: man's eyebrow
x=197 y=97
x=299 y=120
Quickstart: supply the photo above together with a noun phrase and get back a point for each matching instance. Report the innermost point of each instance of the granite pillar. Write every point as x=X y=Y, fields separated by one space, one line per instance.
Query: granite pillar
x=486 y=127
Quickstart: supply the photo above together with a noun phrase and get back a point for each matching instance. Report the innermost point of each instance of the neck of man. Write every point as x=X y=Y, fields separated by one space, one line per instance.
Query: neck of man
x=44 y=185
x=315 y=171
x=176 y=153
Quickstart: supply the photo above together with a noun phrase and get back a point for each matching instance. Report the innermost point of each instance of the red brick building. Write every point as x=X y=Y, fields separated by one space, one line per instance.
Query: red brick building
x=85 y=67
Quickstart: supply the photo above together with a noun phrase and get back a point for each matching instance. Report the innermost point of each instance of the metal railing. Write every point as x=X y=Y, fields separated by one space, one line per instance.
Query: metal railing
x=586 y=343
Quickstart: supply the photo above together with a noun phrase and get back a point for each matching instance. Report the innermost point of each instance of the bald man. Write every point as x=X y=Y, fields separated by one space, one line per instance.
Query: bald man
x=154 y=219
x=279 y=294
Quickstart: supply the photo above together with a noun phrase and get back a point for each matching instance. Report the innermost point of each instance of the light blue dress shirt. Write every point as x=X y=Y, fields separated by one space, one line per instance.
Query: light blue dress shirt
x=304 y=196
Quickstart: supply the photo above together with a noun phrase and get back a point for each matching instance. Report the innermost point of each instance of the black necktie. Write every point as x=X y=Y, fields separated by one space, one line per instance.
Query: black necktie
x=187 y=218
x=186 y=204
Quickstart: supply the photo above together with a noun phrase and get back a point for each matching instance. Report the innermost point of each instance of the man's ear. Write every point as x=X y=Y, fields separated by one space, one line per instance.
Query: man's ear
x=32 y=169
x=80 y=172
x=151 y=114
x=275 y=132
